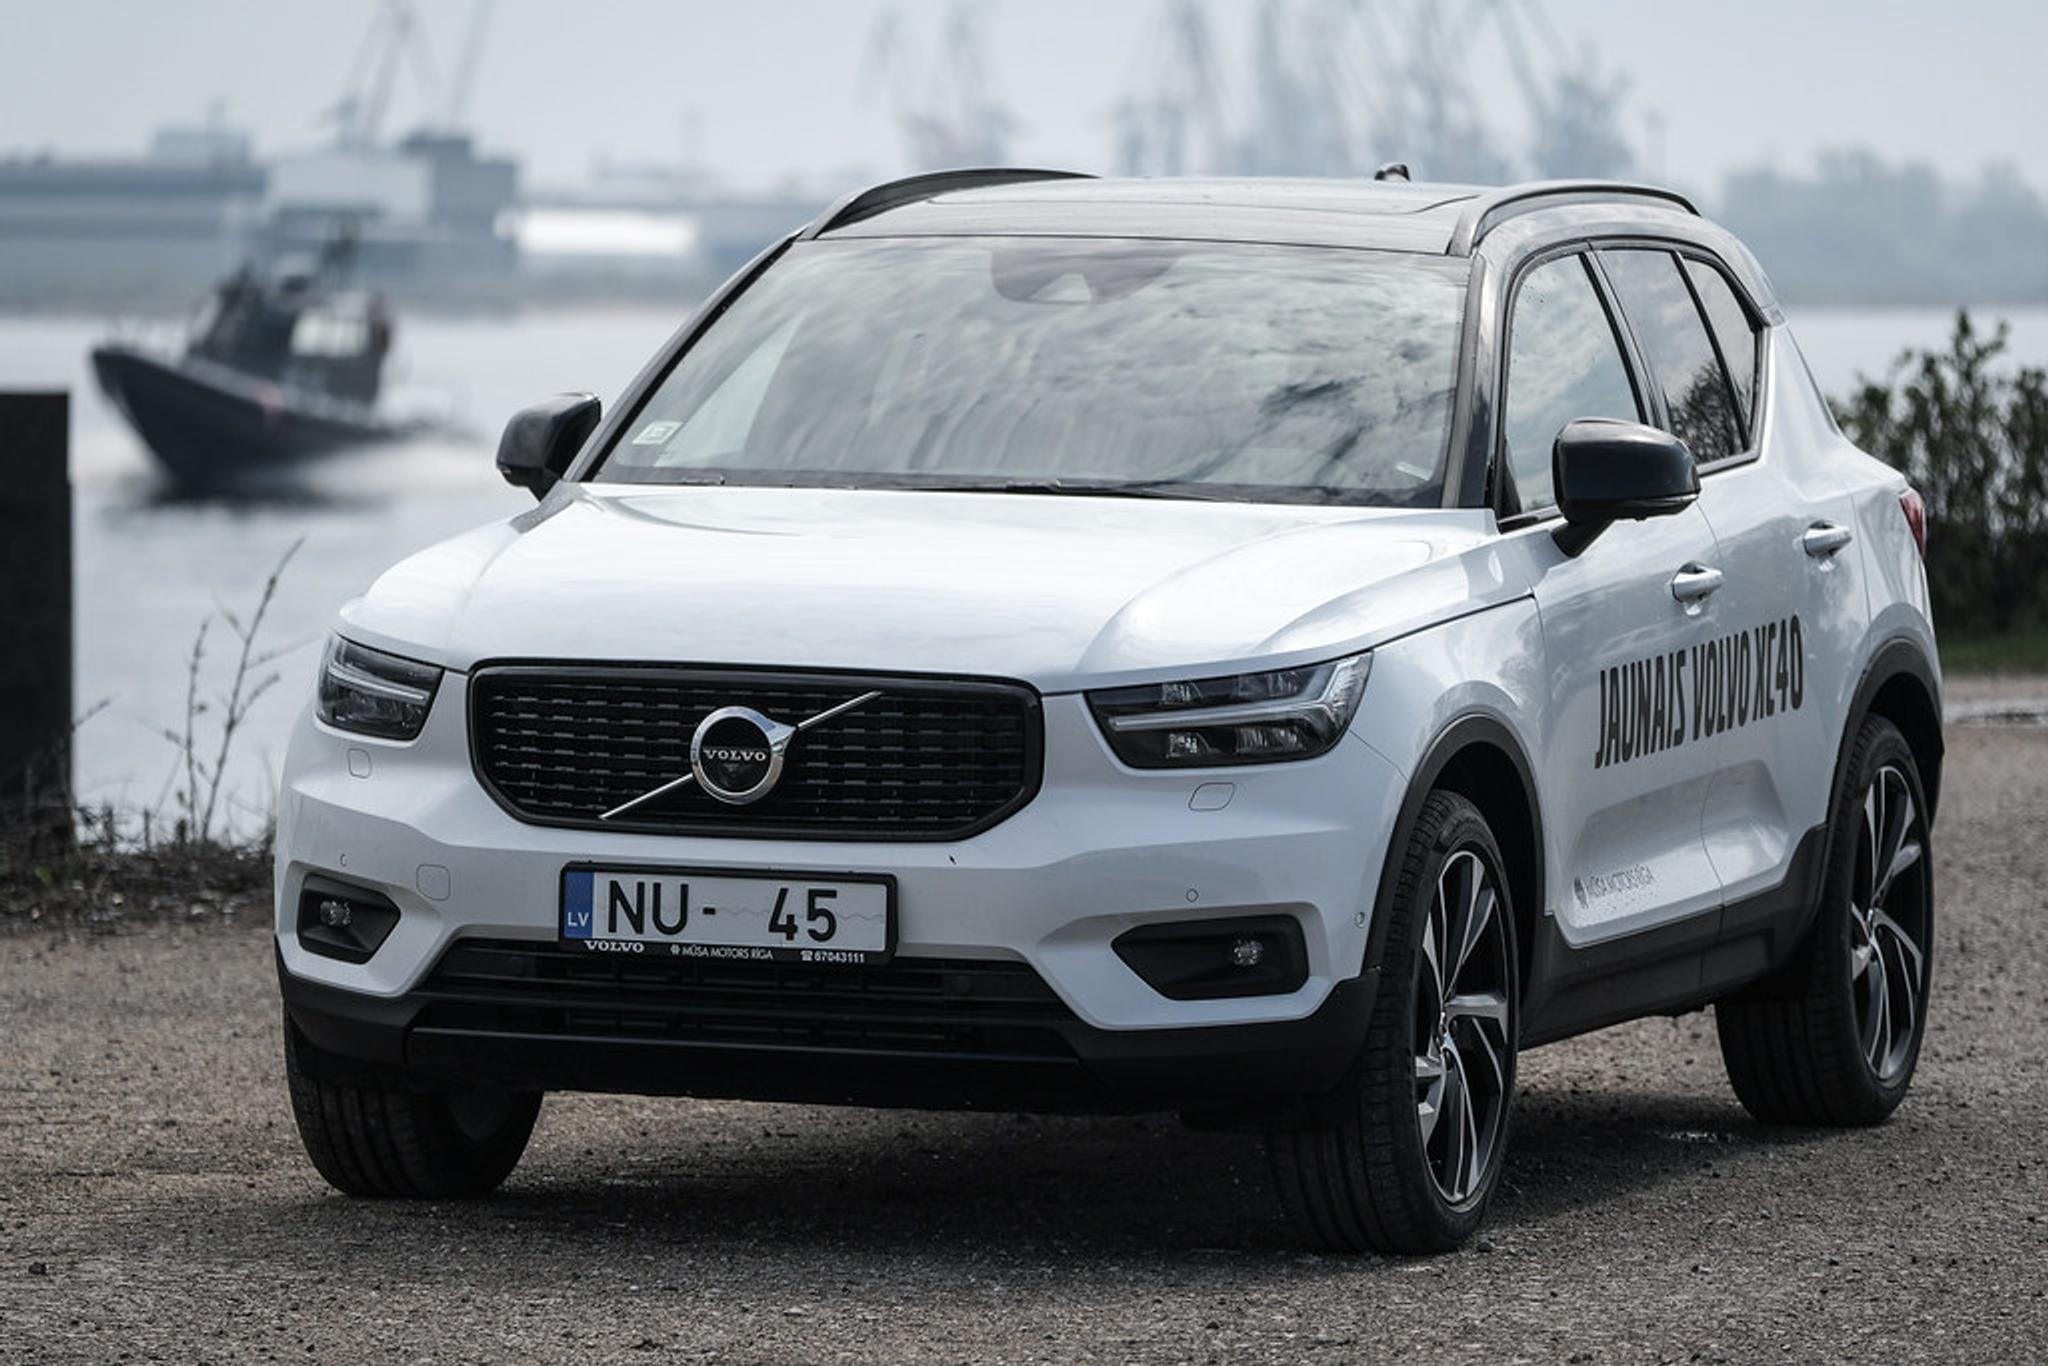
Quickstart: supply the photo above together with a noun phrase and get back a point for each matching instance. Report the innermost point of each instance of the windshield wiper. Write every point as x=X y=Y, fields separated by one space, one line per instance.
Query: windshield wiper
x=1119 y=489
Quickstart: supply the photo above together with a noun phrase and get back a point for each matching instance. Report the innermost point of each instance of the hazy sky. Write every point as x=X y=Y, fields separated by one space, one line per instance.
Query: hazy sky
x=774 y=89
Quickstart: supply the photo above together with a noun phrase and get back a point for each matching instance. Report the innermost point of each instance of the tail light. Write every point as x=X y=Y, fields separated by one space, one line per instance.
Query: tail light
x=1916 y=519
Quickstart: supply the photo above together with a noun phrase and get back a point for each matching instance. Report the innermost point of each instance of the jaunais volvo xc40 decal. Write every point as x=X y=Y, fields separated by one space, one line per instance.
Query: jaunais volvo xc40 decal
x=1678 y=697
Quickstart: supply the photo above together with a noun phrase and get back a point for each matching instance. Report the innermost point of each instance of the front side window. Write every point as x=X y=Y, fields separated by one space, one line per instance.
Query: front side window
x=1674 y=340
x=1563 y=363
x=1153 y=367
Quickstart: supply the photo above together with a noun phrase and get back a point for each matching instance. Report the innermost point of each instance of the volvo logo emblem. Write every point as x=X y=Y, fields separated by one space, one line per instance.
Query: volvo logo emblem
x=736 y=755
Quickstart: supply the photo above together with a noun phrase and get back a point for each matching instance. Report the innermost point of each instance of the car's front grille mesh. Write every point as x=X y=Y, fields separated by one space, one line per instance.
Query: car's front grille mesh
x=925 y=760
x=956 y=1007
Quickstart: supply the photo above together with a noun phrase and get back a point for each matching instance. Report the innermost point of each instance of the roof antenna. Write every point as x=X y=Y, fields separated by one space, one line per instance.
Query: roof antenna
x=1393 y=170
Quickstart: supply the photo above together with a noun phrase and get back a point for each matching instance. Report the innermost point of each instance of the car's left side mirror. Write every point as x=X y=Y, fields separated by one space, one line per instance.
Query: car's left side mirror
x=540 y=442
x=1605 y=471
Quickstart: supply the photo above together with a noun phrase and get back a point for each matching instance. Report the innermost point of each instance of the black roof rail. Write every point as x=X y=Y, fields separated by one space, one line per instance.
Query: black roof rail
x=894 y=194
x=1488 y=211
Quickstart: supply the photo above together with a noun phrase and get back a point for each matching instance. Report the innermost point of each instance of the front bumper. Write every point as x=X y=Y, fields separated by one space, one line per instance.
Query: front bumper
x=429 y=1036
x=1100 y=850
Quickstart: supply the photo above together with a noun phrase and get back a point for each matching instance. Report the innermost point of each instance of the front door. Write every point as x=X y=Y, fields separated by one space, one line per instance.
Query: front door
x=1627 y=626
x=1621 y=778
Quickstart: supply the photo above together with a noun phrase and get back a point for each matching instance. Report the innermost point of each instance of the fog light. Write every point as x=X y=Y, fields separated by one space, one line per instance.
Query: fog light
x=339 y=920
x=1198 y=960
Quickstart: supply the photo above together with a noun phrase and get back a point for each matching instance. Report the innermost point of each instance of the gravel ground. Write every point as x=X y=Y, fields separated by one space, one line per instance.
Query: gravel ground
x=1960 y=692
x=154 y=1204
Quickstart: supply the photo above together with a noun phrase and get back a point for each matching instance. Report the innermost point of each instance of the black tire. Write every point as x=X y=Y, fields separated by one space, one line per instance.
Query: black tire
x=385 y=1138
x=1801 y=1049
x=1364 y=1174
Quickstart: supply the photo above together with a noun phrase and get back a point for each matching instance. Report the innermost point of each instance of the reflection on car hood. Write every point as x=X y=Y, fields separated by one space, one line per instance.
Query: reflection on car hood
x=1060 y=591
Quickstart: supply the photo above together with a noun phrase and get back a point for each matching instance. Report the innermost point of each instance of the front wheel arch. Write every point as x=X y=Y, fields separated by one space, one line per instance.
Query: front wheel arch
x=1477 y=757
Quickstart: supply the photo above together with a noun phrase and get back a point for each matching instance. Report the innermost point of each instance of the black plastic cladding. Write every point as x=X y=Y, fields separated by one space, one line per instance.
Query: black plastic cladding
x=894 y=194
x=957 y=1007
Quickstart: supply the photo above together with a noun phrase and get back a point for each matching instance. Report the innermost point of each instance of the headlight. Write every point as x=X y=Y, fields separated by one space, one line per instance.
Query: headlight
x=373 y=693
x=1242 y=719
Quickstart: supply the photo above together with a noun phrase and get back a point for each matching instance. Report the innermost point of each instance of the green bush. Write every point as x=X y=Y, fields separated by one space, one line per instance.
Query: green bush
x=1973 y=439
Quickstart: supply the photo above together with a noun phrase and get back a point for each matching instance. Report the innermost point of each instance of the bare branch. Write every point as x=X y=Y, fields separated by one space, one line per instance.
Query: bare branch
x=242 y=694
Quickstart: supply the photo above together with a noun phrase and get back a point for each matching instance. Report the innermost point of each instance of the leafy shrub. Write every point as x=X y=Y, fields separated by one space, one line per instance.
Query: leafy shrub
x=1973 y=439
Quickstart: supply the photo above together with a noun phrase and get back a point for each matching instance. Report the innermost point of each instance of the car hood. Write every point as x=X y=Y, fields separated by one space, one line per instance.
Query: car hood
x=1060 y=591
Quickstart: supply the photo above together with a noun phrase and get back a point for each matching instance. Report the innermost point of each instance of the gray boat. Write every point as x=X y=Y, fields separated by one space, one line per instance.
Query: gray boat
x=280 y=369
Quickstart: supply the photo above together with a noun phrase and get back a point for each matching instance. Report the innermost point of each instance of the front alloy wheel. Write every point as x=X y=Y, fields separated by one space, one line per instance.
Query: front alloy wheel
x=1405 y=1154
x=391 y=1136
x=1461 y=1023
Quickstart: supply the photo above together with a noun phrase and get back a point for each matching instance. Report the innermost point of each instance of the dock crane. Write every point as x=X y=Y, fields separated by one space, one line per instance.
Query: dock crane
x=1174 y=124
x=1335 y=87
x=397 y=39
x=464 y=80
x=948 y=114
x=394 y=39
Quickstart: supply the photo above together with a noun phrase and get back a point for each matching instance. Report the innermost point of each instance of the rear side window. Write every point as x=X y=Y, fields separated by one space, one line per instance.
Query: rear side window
x=1563 y=363
x=1674 y=340
x=1732 y=329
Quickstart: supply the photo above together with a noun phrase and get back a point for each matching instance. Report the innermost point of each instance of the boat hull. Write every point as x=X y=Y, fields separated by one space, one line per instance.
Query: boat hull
x=215 y=428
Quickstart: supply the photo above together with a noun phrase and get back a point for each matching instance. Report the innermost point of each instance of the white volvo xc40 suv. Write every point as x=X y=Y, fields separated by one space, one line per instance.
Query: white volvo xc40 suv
x=1268 y=650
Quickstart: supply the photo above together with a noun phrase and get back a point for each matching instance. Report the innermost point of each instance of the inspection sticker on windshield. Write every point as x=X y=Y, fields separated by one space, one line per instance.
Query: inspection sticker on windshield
x=655 y=433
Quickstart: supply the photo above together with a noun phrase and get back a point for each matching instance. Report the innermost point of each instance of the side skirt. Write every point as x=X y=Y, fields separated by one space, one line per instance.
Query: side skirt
x=1676 y=968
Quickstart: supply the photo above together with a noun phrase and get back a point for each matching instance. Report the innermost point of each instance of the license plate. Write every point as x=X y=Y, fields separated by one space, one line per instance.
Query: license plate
x=698 y=913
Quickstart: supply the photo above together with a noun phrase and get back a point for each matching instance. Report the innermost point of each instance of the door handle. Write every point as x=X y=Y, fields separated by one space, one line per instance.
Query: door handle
x=1694 y=583
x=1823 y=539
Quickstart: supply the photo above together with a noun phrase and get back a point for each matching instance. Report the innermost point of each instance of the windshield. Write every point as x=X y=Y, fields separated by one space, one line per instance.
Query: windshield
x=1165 y=368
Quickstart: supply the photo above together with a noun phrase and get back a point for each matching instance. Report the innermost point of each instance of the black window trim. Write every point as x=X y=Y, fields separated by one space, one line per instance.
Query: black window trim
x=1680 y=248
x=1749 y=314
x=1649 y=400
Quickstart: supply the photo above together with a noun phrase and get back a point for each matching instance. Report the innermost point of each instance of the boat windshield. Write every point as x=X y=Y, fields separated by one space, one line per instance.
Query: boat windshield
x=1159 y=368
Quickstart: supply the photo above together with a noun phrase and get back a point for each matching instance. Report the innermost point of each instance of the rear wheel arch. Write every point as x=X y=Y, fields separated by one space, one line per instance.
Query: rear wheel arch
x=1479 y=758
x=1900 y=686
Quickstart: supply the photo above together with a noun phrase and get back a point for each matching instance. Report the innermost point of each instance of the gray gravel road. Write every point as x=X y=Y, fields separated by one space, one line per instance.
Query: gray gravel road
x=154 y=1205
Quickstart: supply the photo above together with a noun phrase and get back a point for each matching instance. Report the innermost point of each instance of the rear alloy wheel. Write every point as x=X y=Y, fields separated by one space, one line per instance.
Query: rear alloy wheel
x=1835 y=1038
x=1888 y=919
x=1405 y=1156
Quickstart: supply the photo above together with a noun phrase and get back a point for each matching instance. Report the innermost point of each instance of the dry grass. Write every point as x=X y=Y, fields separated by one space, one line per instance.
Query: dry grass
x=106 y=879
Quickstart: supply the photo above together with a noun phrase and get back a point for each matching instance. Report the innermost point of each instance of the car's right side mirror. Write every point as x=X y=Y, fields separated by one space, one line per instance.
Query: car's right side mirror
x=1605 y=470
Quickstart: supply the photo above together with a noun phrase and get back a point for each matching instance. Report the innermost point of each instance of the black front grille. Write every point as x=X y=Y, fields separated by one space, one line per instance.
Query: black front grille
x=953 y=1007
x=928 y=759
